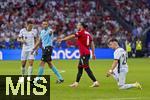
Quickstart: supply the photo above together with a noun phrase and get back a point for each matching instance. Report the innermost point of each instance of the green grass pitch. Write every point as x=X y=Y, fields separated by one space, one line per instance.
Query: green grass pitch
x=139 y=70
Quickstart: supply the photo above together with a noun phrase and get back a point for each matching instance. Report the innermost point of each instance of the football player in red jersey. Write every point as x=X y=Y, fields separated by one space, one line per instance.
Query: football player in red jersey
x=84 y=40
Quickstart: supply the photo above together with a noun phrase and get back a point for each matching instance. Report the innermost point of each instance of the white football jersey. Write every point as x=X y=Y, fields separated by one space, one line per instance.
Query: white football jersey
x=29 y=37
x=121 y=55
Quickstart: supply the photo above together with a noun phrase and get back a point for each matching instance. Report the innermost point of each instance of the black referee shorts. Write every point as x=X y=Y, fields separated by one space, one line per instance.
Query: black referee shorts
x=84 y=61
x=46 y=54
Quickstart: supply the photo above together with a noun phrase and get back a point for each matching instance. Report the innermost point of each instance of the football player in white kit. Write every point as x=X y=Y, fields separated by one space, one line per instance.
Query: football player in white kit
x=27 y=37
x=119 y=66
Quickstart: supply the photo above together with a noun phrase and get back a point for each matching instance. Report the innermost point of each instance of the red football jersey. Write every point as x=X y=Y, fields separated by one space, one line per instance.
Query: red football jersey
x=84 y=41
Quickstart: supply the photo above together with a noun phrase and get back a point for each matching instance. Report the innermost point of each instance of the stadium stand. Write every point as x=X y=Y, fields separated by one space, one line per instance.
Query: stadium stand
x=124 y=19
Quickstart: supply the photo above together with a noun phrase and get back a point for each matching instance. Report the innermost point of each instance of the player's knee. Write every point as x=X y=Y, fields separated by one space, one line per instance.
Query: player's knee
x=80 y=74
x=87 y=69
x=50 y=64
x=31 y=63
x=42 y=63
x=23 y=65
x=122 y=87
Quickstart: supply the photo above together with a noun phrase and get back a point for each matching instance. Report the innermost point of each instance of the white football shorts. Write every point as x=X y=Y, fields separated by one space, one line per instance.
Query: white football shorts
x=26 y=55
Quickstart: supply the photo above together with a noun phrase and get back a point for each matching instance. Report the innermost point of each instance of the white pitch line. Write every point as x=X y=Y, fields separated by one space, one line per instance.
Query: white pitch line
x=62 y=71
x=131 y=98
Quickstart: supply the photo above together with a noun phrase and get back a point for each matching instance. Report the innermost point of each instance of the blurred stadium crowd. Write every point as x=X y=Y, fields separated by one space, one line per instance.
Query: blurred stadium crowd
x=64 y=14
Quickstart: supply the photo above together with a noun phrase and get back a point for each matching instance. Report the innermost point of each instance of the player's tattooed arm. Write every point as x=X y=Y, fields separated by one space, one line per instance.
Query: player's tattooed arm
x=93 y=50
x=36 y=40
x=36 y=45
x=113 y=66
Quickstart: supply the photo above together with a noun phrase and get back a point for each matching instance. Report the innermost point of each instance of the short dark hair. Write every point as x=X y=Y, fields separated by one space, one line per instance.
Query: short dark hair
x=29 y=22
x=45 y=20
x=84 y=25
x=113 y=40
